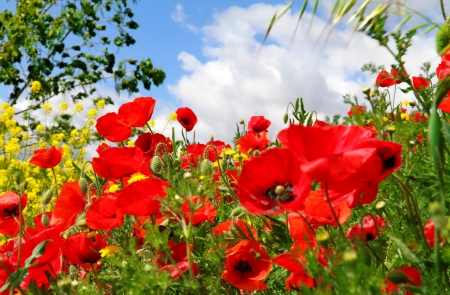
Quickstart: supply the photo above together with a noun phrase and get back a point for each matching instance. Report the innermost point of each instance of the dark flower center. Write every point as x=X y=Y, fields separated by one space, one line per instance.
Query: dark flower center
x=389 y=163
x=280 y=193
x=186 y=121
x=243 y=266
x=12 y=212
x=369 y=237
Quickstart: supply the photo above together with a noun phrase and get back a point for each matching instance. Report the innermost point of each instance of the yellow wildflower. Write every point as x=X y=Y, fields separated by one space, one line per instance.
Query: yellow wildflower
x=40 y=127
x=92 y=113
x=404 y=116
x=47 y=107
x=172 y=117
x=63 y=106
x=74 y=133
x=100 y=104
x=151 y=123
x=405 y=102
x=36 y=86
x=109 y=250
x=78 y=108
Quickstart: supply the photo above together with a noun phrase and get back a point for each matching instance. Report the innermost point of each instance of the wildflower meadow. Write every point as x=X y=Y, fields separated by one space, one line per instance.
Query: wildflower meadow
x=354 y=204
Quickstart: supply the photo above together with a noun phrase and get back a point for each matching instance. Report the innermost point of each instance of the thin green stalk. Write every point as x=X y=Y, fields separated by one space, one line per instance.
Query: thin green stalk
x=332 y=211
x=441 y=3
x=54 y=176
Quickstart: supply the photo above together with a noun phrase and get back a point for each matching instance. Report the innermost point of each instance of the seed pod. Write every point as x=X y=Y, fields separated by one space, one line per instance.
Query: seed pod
x=156 y=165
x=44 y=219
x=206 y=167
x=83 y=186
x=47 y=197
x=285 y=119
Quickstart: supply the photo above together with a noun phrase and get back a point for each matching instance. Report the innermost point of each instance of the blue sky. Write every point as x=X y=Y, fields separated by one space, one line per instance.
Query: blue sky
x=212 y=56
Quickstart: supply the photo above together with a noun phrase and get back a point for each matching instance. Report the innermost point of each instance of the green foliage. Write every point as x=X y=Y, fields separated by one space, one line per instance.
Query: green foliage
x=56 y=42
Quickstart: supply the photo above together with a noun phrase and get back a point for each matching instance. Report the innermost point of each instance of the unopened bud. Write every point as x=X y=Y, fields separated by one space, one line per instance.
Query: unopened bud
x=200 y=189
x=241 y=122
x=72 y=269
x=47 y=197
x=366 y=90
x=349 y=255
x=177 y=162
x=285 y=118
x=412 y=103
x=250 y=152
x=256 y=153
x=187 y=175
x=323 y=237
x=156 y=165
x=45 y=220
x=397 y=277
x=435 y=208
x=206 y=167
x=83 y=186
x=81 y=220
x=380 y=205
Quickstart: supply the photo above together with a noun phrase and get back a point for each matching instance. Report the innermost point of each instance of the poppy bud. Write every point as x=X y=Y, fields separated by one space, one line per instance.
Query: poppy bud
x=156 y=165
x=177 y=162
x=397 y=277
x=46 y=197
x=366 y=90
x=206 y=167
x=349 y=255
x=256 y=153
x=241 y=122
x=65 y=284
x=200 y=189
x=412 y=103
x=250 y=152
x=380 y=205
x=73 y=269
x=83 y=186
x=323 y=238
x=44 y=219
x=81 y=220
x=286 y=118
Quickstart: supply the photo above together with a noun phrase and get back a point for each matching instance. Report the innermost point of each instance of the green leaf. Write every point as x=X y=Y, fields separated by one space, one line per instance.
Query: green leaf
x=443 y=39
x=407 y=253
x=38 y=251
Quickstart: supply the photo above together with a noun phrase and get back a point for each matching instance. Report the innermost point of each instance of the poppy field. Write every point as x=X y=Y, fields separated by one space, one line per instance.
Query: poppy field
x=345 y=205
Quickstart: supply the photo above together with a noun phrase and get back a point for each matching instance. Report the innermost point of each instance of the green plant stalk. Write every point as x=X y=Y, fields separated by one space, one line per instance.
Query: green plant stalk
x=332 y=211
x=409 y=198
x=54 y=176
x=437 y=260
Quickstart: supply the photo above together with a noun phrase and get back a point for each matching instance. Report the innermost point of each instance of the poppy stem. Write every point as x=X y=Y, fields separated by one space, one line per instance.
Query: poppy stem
x=377 y=257
x=149 y=128
x=332 y=211
x=54 y=177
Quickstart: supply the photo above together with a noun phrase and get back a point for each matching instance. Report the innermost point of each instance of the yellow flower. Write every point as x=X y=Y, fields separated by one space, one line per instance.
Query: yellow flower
x=404 y=116
x=151 y=123
x=136 y=177
x=130 y=143
x=36 y=86
x=100 y=104
x=40 y=127
x=385 y=119
x=390 y=128
x=172 y=117
x=405 y=102
x=47 y=107
x=92 y=113
x=113 y=188
x=109 y=250
x=63 y=106
x=78 y=108
x=74 y=133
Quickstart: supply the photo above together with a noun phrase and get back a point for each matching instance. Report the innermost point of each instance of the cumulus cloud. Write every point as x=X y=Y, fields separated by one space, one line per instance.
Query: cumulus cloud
x=240 y=78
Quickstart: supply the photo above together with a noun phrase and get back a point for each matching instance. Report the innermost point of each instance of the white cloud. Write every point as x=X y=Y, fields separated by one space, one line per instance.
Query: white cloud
x=238 y=81
x=180 y=17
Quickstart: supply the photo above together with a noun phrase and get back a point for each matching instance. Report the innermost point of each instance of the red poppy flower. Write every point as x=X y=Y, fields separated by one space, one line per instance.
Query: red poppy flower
x=293 y=261
x=69 y=204
x=51 y=248
x=418 y=117
x=47 y=158
x=247 y=264
x=318 y=212
x=429 y=233
x=194 y=153
x=83 y=248
x=443 y=69
x=101 y=147
x=358 y=110
x=420 y=82
x=187 y=118
x=369 y=230
x=219 y=147
x=254 y=141
x=147 y=143
x=142 y=197
x=241 y=228
x=258 y=124
x=205 y=210
x=9 y=212
x=136 y=113
x=118 y=162
x=273 y=183
x=444 y=105
x=347 y=161
x=104 y=214
x=319 y=123
x=299 y=230
x=110 y=129
x=179 y=268
x=409 y=276
x=384 y=79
